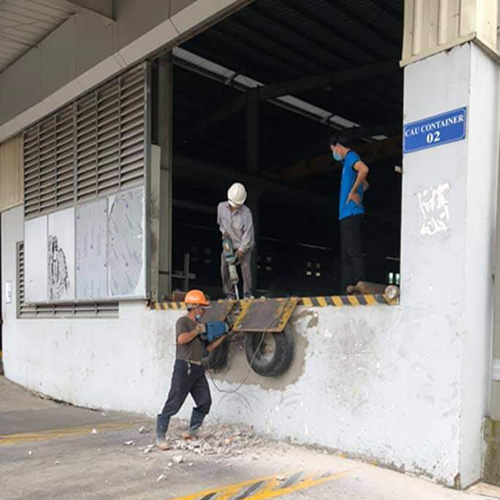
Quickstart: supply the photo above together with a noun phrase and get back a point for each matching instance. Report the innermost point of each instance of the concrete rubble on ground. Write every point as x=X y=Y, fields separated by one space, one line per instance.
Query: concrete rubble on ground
x=222 y=440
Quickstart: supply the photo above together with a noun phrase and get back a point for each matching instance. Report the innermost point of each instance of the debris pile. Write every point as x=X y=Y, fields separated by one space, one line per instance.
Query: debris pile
x=221 y=440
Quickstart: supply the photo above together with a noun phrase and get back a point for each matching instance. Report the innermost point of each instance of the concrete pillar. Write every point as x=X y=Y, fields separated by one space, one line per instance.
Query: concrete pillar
x=449 y=212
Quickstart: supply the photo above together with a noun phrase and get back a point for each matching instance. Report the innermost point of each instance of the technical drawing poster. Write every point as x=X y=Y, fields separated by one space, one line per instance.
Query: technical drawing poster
x=91 y=250
x=35 y=260
x=126 y=244
x=61 y=256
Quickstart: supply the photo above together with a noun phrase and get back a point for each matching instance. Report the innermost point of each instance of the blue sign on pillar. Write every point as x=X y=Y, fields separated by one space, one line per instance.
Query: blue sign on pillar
x=435 y=131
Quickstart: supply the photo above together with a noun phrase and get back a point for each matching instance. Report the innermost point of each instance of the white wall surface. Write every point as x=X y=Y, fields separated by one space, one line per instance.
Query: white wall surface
x=482 y=179
x=404 y=385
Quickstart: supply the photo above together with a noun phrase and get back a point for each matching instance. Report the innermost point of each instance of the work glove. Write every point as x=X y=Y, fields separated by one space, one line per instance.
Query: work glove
x=201 y=328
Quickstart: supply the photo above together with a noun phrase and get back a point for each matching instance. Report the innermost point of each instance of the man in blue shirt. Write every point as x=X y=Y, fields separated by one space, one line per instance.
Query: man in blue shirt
x=351 y=210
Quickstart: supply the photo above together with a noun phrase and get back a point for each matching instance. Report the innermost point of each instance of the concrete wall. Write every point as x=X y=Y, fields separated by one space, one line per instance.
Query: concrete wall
x=85 y=50
x=406 y=386
x=482 y=179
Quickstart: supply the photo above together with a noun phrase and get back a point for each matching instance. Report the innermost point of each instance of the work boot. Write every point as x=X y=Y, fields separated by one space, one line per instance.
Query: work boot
x=197 y=418
x=190 y=434
x=161 y=430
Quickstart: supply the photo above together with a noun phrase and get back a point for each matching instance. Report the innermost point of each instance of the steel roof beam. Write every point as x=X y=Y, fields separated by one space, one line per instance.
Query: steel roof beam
x=342 y=77
x=272 y=91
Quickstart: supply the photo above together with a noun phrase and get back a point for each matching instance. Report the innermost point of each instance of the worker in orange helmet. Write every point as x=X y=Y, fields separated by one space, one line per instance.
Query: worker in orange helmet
x=189 y=374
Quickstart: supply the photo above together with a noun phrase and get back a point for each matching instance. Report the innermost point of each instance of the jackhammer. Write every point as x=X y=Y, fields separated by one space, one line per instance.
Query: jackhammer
x=232 y=261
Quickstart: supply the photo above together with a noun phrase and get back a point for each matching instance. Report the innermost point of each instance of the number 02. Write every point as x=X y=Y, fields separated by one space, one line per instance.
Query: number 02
x=433 y=137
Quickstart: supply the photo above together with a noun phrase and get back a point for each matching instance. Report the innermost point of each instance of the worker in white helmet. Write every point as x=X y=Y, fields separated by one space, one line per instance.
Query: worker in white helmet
x=236 y=222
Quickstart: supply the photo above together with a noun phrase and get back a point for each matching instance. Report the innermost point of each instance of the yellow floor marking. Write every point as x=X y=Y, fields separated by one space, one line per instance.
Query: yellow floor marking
x=229 y=493
x=271 y=484
x=27 y=437
x=218 y=490
x=269 y=490
x=309 y=483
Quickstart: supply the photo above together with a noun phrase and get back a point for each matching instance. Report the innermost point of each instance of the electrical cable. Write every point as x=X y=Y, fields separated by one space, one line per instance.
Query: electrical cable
x=234 y=391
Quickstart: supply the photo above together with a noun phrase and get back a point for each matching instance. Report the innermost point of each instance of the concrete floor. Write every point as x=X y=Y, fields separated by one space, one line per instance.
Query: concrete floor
x=53 y=451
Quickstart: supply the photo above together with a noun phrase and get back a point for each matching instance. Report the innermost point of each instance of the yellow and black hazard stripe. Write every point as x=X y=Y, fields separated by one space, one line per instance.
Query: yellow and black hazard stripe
x=167 y=306
x=347 y=300
x=328 y=301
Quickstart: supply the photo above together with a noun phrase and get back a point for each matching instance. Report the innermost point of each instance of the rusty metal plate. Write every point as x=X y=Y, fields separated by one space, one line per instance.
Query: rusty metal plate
x=270 y=315
x=218 y=311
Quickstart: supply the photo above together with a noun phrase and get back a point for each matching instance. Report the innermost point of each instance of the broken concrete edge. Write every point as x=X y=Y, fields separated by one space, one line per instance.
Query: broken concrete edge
x=326 y=301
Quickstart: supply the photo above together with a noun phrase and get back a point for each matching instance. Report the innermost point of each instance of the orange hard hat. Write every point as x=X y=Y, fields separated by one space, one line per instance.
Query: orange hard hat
x=196 y=298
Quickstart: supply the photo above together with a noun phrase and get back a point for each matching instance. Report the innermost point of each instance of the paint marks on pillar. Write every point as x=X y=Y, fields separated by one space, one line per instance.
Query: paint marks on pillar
x=434 y=207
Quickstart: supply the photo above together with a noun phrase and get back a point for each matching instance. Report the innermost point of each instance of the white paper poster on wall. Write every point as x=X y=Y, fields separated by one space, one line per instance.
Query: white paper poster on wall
x=126 y=244
x=35 y=260
x=91 y=250
x=61 y=256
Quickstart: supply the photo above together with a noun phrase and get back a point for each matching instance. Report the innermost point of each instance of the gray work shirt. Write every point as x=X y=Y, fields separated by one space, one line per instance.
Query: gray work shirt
x=192 y=351
x=238 y=224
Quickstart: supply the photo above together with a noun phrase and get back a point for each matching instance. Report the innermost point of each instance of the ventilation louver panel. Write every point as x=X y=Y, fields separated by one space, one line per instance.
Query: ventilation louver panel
x=92 y=147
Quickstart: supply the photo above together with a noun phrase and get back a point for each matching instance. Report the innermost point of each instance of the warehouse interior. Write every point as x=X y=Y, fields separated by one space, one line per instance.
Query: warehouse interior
x=256 y=98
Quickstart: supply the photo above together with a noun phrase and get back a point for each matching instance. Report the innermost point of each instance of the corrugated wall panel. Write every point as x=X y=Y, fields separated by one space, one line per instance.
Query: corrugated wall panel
x=435 y=25
x=11 y=173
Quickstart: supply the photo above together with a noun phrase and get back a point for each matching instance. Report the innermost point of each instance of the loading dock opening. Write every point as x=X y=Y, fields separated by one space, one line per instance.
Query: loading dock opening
x=255 y=98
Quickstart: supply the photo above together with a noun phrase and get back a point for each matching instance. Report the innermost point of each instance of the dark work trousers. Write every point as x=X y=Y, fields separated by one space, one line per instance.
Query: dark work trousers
x=246 y=272
x=353 y=266
x=187 y=378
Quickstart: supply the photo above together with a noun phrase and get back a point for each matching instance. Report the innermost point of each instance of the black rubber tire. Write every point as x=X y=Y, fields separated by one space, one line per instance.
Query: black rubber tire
x=217 y=359
x=276 y=363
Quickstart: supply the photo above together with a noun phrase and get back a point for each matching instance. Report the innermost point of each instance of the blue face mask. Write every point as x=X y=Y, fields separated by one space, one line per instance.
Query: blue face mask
x=336 y=156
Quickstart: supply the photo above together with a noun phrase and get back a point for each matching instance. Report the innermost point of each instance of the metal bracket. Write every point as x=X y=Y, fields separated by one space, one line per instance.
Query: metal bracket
x=268 y=315
x=219 y=311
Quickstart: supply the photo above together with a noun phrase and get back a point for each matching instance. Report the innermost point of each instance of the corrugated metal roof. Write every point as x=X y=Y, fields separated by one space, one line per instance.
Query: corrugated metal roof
x=25 y=23
x=279 y=40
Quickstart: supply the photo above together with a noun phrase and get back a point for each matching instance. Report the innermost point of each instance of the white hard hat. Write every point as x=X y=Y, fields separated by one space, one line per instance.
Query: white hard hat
x=236 y=195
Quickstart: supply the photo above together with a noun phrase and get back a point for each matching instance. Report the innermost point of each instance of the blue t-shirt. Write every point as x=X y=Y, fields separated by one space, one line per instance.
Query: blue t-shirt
x=348 y=179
